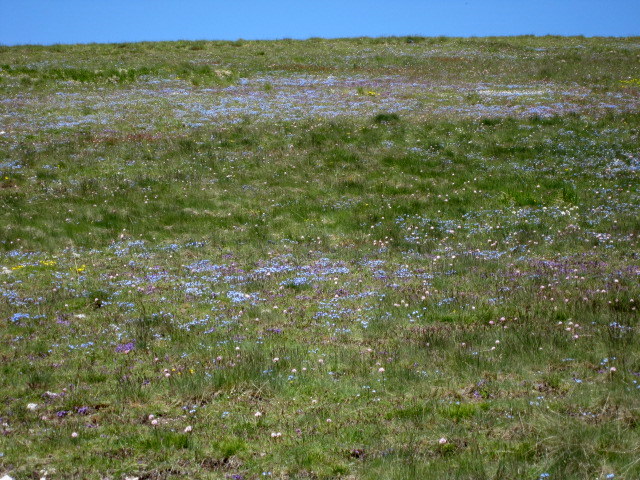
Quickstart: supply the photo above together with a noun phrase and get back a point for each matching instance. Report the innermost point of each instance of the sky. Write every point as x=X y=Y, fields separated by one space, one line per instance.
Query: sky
x=86 y=21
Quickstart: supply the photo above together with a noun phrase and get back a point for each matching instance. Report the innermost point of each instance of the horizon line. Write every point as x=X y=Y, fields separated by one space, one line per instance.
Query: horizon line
x=312 y=38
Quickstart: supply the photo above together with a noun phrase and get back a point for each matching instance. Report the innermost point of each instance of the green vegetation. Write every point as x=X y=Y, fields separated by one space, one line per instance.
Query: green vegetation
x=371 y=258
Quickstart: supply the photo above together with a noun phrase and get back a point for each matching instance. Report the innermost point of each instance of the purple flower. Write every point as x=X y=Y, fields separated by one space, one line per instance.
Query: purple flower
x=125 y=347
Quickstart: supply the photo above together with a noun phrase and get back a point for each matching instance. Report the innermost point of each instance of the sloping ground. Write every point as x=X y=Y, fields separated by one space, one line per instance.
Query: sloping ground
x=369 y=258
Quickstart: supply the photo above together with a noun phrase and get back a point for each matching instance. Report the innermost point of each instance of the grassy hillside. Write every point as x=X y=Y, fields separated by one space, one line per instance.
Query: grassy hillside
x=370 y=258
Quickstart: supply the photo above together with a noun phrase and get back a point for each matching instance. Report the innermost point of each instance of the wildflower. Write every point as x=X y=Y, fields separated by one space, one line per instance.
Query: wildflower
x=276 y=434
x=381 y=370
x=125 y=347
x=74 y=435
x=188 y=429
x=154 y=422
x=442 y=441
x=257 y=414
x=32 y=406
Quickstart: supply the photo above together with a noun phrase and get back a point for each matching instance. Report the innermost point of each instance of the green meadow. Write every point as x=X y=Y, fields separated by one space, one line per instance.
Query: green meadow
x=369 y=258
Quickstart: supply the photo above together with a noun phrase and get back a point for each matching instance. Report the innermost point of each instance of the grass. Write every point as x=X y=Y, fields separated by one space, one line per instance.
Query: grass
x=369 y=258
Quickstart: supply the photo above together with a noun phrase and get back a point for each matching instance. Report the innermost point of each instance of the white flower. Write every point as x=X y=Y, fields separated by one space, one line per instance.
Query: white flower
x=442 y=441
x=154 y=422
x=257 y=414
x=188 y=428
x=74 y=435
x=276 y=434
x=32 y=406
x=381 y=370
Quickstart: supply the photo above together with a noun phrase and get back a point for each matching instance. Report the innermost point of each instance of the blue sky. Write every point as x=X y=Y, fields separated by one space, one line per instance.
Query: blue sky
x=85 y=21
